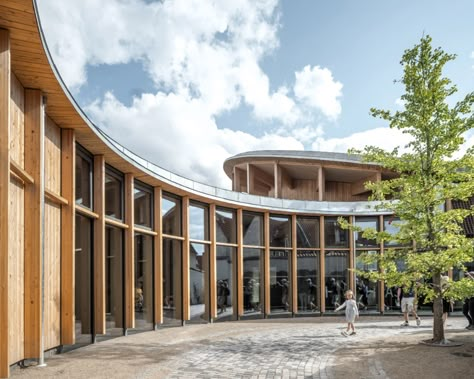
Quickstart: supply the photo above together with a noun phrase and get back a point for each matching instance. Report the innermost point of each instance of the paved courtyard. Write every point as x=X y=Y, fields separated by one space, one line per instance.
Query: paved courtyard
x=274 y=348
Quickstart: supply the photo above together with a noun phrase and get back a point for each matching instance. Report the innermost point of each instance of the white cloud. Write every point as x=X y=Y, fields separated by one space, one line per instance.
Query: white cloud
x=399 y=102
x=317 y=88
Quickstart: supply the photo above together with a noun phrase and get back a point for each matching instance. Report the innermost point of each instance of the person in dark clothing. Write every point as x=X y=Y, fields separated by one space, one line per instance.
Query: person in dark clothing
x=468 y=306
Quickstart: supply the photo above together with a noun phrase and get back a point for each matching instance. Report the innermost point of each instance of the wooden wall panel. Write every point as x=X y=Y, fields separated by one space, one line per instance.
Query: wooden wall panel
x=4 y=198
x=158 y=256
x=34 y=145
x=186 y=262
x=52 y=276
x=52 y=156
x=129 y=252
x=339 y=191
x=17 y=122
x=68 y=186
x=16 y=267
x=99 y=244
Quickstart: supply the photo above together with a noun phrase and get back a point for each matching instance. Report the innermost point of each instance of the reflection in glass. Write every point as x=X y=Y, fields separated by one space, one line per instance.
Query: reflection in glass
x=171 y=214
x=253 y=229
x=307 y=231
x=365 y=223
x=198 y=282
x=337 y=277
x=367 y=292
x=143 y=281
x=113 y=196
x=308 y=281
x=253 y=280
x=198 y=222
x=225 y=275
x=114 y=281
x=280 y=286
x=390 y=294
x=334 y=235
x=225 y=226
x=390 y=226
x=143 y=206
x=280 y=231
x=457 y=275
x=83 y=180
x=172 y=282
x=83 y=281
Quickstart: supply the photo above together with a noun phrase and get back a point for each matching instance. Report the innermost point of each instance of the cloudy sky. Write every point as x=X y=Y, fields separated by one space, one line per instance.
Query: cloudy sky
x=189 y=83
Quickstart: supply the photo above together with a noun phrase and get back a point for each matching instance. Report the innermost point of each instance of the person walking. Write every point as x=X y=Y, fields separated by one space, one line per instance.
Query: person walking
x=352 y=312
x=406 y=297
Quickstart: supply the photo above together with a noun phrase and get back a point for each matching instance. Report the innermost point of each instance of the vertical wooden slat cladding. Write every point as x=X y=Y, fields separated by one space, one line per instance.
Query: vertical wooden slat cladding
x=129 y=253
x=99 y=244
x=52 y=156
x=158 y=259
x=68 y=186
x=4 y=198
x=34 y=145
x=17 y=122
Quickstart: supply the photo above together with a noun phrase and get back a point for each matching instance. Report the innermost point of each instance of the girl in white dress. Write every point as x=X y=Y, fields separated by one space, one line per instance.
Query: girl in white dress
x=351 y=312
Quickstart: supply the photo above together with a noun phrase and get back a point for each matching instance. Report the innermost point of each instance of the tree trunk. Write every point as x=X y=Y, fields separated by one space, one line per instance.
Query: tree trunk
x=438 y=327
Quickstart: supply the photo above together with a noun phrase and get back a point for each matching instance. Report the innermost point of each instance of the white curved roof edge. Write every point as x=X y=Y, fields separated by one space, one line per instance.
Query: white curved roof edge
x=211 y=192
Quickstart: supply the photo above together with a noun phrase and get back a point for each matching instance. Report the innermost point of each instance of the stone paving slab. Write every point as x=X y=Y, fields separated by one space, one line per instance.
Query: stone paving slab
x=299 y=348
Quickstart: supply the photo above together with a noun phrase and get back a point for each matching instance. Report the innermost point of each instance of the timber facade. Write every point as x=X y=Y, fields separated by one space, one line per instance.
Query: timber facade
x=96 y=242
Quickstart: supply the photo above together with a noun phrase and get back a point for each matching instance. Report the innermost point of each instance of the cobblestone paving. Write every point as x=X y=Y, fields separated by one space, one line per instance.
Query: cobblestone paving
x=286 y=348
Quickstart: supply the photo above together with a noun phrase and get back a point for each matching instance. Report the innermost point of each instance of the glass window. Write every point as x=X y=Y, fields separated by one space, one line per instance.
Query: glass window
x=198 y=282
x=143 y=206
x=365 y=223
x=225 y=258
x=337 y=277
x=253 y=280
x=280 y=286
x=83 y=179
x=172 y=282
x=307 y=232
x=334 y=235
x=308 y=281
x=113 y=195
x=114 y=268
x=253 y=229
x=83 y=281
x=280 y=231
x=366 y=291
x=143 y=282
x=389 y=226
x=225 y=226
x=198 y=222
x=171 y=214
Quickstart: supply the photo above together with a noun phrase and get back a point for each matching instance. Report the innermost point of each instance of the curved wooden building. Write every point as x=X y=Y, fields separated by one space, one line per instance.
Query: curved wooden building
x=96 y=242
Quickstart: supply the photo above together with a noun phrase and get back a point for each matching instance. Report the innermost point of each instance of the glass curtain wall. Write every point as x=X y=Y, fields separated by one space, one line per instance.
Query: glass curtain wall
x=307 y=236
x=172 y=260
x=366 y=291
x=253 y=255
x=83 y=299
x=143 y=282
x=280 y=264
x=226 y=237
x=199 y=262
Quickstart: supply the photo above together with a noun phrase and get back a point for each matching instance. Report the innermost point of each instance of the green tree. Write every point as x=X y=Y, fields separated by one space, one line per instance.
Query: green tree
x=429 y=176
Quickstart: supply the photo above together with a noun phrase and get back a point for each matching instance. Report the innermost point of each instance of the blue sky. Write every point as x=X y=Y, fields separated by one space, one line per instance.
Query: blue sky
x=188 y=83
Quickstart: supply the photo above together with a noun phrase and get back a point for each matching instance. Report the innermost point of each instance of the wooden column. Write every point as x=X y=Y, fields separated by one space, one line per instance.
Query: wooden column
x=129 y=251
x=293 y=266
x=186 y=263
x=158 y=256
x=322 y=267
x=351 y=256
x=266 y=263
x=240 y=264
x=4 y=197
x=34 y=154
x=275 y=177
x=212 y=262
x=321 y=184
x=381 y=283
x=68 y=185
x=99 y=244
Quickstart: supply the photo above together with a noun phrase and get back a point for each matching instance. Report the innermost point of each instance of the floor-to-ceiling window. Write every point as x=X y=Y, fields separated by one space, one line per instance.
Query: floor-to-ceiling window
x=172 y=260
x=307 y=233
x=143 y=265
x=253 y=250
x=280 y=269
x=199 y=262
x=226 y=238
x=336 y=257
x=366 y=291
